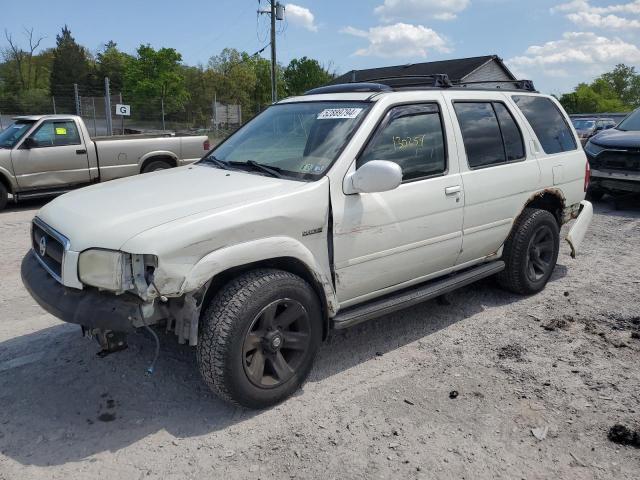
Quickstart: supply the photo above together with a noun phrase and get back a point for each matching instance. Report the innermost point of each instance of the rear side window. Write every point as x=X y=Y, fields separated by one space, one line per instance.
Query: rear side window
x=547 y=122
x=411 y=136
x=490 y=134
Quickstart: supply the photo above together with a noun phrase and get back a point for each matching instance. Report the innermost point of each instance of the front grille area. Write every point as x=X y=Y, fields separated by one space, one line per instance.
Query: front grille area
x=49 y=249
x=617 y=160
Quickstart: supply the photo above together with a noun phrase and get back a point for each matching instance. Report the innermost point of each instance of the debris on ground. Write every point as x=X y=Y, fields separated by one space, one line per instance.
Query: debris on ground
x=623 y=435
x=540 y=432
x=556 y=324
x=511 y=351
x=453 y=394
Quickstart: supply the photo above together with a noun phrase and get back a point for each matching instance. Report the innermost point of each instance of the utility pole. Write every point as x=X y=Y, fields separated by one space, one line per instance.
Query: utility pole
x=77 y=97
x=275 y=12
x=107 y=106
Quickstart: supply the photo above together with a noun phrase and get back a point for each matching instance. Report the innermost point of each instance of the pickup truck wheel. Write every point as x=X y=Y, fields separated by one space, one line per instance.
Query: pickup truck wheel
x=530 y=252
x=155 y=165
x=4 y=196
x=258 y=338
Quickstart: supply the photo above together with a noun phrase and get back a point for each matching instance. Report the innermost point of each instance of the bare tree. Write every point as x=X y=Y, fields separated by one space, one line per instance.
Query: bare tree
x=21 y=57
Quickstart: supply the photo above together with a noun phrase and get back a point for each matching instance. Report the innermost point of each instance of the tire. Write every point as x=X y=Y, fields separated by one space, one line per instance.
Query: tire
x=156 y=165
x=595 y=194
x=530 y=252
x=4 y=196
x=238 y=354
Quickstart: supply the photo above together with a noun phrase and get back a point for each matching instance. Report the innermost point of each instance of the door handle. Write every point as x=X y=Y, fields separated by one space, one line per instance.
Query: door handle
x=81 y=152
x=452 y=190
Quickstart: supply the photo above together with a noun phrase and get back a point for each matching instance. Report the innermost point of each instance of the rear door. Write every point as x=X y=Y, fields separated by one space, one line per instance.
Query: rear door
x=498 y=170
x=57 y=156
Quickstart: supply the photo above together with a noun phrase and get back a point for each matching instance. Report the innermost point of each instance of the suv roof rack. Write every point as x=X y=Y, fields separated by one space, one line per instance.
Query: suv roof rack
x=350 y=87
x=415 y=82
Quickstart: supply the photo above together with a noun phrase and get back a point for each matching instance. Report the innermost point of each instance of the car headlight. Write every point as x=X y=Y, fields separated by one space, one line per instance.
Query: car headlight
x=102 y=268
x=593 y=149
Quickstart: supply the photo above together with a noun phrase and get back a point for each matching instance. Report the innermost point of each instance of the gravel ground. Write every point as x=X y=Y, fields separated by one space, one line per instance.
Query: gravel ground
x=563 y=364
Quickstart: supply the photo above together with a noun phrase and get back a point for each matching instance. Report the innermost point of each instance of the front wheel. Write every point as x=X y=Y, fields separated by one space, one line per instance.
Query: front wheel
x=4 y=196
x=530 y=252
x=258 y=338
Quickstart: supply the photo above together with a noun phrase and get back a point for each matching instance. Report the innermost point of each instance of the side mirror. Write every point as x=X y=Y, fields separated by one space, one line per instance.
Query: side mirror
x=29 y=143
x=372 y=177
x=598 y=128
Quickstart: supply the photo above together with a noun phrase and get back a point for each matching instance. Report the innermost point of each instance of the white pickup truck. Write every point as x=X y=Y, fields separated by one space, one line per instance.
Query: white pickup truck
x=50 y=154
x=324 y=211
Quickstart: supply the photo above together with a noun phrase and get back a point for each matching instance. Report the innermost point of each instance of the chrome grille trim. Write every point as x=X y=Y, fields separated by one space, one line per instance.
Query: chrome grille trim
x=64 y=241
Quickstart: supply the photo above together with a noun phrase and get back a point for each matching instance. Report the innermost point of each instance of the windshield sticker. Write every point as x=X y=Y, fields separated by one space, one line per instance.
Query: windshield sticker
x=307 y=167
x=61 y=131
x=338 y=113
x=318 y=168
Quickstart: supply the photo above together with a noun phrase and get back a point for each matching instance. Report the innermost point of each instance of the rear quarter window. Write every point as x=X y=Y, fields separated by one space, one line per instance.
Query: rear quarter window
x=547 y=122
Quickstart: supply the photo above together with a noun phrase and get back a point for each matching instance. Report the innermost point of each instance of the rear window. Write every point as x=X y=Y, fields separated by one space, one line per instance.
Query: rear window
x=547 y=122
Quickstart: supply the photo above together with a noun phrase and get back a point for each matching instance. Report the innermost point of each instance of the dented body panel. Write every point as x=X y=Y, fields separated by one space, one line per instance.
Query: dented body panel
x=199 y=222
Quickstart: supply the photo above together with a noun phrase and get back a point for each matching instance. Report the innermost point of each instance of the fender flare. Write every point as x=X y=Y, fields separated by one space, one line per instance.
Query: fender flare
x=158 y=153
x=260 y=250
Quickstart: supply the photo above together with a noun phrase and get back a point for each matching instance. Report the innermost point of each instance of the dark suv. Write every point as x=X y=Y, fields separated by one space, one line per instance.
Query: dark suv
x=614 y=157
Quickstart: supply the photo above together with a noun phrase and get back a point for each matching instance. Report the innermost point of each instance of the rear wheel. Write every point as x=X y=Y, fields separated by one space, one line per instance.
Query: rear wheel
x=530 y=252
x=258 y=338
x=4 y=196
x=156 y=165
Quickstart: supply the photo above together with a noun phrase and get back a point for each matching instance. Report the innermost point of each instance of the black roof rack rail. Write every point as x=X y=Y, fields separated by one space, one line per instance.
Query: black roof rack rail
x=438 y=80
x=516 y=84
x=414 y=82
x=350 y=87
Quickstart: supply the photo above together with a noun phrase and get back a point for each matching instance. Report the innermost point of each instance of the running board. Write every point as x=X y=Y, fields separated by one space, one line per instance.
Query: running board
x=407 y=298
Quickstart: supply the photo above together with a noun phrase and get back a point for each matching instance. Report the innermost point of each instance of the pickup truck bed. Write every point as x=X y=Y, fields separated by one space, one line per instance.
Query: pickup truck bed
x=51 y=154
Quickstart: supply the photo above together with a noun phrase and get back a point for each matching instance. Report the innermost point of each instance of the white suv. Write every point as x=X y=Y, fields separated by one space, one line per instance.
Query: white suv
x=325 y=210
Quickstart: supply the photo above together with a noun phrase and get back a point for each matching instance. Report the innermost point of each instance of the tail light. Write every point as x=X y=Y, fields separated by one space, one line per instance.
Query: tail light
x=206 y=145
x=587 y=175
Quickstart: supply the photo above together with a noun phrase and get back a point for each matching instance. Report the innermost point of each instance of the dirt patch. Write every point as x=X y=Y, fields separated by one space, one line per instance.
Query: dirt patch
x=511 y=352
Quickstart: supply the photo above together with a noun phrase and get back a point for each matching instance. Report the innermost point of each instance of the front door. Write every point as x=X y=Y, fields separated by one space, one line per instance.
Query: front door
x=56 y=157
x=384 y=241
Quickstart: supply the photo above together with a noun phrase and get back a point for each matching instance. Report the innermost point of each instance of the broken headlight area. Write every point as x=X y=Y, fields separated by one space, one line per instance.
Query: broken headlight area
x=118 y=272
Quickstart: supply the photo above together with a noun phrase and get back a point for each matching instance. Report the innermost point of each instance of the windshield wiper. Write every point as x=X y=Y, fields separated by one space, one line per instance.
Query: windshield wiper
x=273 y=171
x=217 y=162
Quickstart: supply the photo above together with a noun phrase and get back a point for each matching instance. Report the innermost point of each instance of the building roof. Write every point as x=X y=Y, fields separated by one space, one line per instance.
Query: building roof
x=456 y=69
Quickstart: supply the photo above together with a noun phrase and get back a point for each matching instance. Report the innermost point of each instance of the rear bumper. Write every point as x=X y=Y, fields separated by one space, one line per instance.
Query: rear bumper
x=579 y=228
x=89 y=307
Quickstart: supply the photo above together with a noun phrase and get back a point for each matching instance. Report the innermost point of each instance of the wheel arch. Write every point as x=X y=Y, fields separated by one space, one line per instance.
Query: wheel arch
x=287 y=254
x=550 y=199
x=167 y=156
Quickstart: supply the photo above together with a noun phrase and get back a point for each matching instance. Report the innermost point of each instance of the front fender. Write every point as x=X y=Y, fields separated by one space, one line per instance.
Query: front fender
x=255 y=251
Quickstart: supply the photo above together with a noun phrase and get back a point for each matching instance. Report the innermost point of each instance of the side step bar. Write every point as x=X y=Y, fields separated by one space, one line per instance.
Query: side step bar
x=407 y=298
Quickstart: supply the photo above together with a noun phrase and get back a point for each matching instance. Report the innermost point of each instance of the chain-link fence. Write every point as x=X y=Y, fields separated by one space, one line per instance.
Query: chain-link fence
x=145 y=115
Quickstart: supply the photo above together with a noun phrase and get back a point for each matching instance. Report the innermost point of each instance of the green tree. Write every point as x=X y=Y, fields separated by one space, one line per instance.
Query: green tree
x=153 y=77
x=304 y=74
x=70 y=65
x=111 y=62
x=625 y=82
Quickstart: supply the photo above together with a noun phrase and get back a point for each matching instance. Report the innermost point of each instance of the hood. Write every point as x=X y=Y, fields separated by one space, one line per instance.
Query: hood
x=615 y=138
x=106 y=215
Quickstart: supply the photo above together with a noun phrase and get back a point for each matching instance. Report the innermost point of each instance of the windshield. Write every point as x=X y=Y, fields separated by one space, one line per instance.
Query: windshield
x=13 y=133
x=299 y=140
x=632 y=122
x=584 y=124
